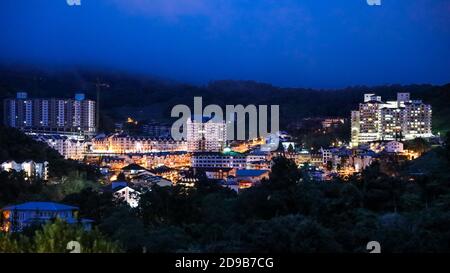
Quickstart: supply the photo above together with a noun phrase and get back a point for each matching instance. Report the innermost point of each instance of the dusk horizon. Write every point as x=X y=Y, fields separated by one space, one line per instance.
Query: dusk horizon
x=311 y=44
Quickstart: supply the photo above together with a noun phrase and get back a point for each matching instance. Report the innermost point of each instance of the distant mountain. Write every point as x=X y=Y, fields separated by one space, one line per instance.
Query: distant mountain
x=148 y=98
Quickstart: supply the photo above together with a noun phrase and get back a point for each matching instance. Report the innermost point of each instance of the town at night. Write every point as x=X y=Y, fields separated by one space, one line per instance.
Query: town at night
x=213 y=135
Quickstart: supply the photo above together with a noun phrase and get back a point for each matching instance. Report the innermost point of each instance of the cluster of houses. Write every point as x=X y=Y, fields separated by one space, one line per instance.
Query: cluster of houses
x=342 y=161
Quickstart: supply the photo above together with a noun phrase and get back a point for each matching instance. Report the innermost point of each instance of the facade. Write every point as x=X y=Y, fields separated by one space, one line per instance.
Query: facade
x=394 y=147
x=122 y=192
x=53 y=115
x=31 y=168
x=403 y=119
x=258 y=159
x=227 y=159
x=327 y=154
x=125 y=144
x=69 y=148
x=206 y=135
x=16 y=218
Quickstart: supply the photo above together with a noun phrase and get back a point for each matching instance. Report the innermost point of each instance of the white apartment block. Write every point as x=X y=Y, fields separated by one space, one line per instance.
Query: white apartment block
x=30 y=168
x=69 y=148
x=51 y=115
x=403 y=119
x=206 y=135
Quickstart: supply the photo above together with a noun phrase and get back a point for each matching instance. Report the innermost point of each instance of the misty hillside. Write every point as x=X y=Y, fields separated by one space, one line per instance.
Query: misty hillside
x=147 y=98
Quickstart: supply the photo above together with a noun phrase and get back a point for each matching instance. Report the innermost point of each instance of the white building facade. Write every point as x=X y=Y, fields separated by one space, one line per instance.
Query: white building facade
x=219 y=160
x=206 y=135
x=403 y=119
x=30 y=168
x=68 y=147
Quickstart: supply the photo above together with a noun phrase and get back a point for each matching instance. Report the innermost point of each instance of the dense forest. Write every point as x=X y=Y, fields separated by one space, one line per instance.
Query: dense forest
x=147 y=98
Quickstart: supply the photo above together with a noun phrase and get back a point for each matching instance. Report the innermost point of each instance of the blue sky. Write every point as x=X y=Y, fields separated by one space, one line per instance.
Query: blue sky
x=309 y=43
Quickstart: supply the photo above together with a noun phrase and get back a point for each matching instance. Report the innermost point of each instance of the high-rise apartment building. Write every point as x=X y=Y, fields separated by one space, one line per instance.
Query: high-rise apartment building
x=51 y=115
x=206 y=135
x=402 y=119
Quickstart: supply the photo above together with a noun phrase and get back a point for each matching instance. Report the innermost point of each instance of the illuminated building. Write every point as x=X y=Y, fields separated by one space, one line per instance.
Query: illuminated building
x=124 y=193
x=18 y=217
x=403 y=119
x=30 y=168
x=206 y=135
x=227 y=159
x=52 y=115
x=68 y=147
x=125 y=144
x=258 y=159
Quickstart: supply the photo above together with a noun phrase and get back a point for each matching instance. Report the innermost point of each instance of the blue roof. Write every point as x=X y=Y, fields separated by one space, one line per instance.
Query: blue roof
x=250 y=172
x=258 y=152
x=118 y=184
x=41 y=206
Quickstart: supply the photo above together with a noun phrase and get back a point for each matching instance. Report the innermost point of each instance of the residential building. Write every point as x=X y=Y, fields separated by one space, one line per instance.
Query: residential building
x=17 y=217
x=125 y=144
x=67 y=146
x=30 y=168
x=51 y=115
x=206 y=134
x=403 y=119
x=226 y=159
x=257 y=159
x=124 y=193
x=218 y=173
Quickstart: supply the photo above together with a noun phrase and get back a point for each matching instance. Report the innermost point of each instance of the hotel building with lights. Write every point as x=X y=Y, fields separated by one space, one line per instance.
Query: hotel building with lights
x=206 y=134
x=403 y=119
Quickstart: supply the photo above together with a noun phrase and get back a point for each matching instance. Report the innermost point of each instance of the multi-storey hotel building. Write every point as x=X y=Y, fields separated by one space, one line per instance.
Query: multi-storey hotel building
x=402 y=119
x=206 y=135
x=125 y=144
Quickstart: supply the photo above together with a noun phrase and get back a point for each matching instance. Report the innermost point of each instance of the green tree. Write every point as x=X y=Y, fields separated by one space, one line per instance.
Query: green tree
x=284 y=173
x=54 y=237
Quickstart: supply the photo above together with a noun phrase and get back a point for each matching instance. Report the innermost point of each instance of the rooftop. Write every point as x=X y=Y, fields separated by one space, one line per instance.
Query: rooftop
x=41 y=206
x=251 y=172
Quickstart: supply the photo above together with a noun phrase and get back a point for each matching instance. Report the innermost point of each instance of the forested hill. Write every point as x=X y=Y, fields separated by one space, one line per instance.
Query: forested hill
x=151 y=98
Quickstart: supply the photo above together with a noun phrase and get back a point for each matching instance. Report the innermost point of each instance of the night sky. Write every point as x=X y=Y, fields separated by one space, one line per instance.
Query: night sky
x=304 y=43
